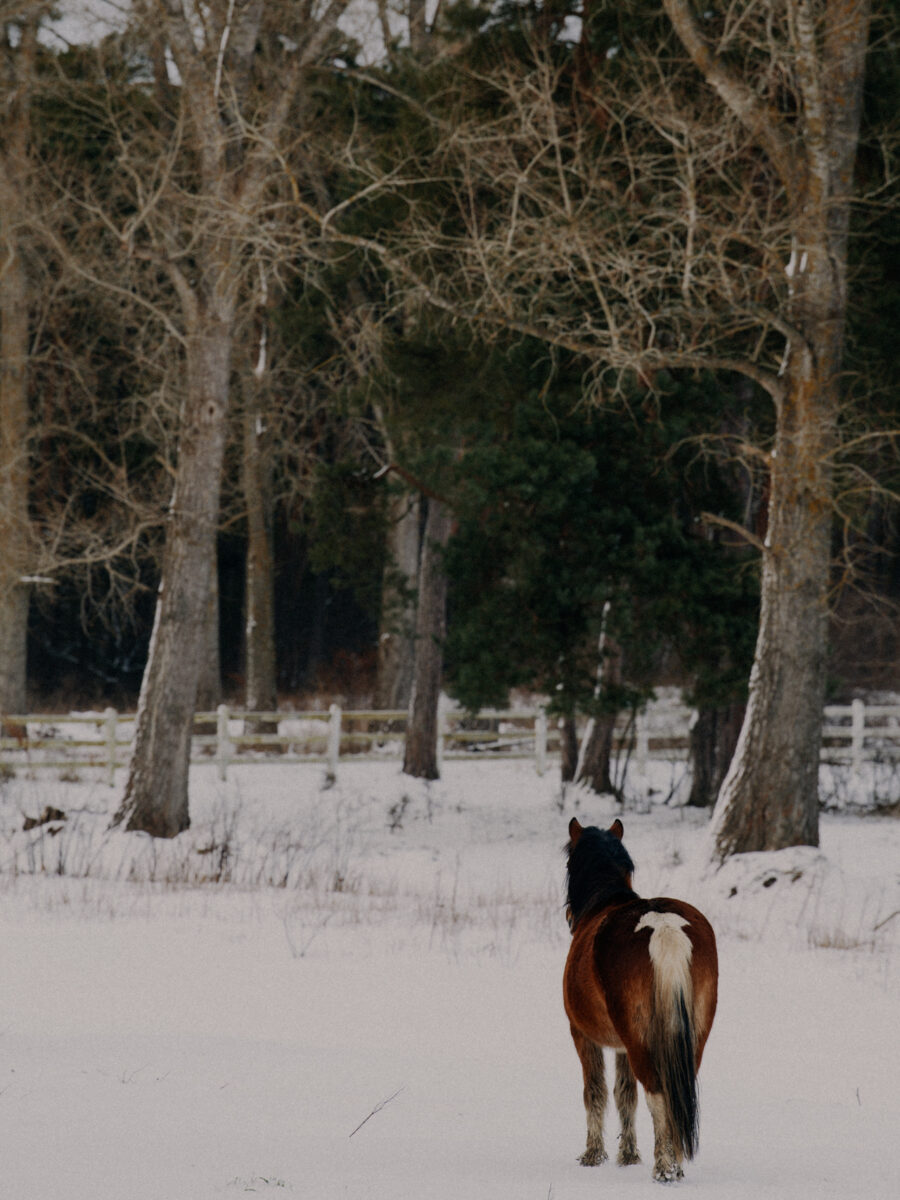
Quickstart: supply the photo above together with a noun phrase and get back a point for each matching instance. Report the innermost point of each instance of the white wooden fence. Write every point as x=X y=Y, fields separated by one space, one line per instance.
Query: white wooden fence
x=852 y=734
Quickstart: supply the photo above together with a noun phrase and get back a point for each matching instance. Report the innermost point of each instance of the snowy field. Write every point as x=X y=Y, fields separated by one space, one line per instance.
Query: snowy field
x=355 y=992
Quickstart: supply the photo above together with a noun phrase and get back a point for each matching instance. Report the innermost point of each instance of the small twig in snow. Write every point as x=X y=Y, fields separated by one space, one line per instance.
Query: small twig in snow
x=377 y=1109
x=875 y=928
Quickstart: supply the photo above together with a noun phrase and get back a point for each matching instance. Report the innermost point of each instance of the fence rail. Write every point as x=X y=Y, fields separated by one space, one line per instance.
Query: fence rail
x=852 y=734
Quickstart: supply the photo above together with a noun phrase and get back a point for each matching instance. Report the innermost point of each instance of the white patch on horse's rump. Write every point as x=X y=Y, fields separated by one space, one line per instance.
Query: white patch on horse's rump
x=670 y=946
x=670 y=956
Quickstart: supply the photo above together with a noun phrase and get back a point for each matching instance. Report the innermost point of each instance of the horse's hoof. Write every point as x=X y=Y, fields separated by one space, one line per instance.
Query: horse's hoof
x=593 y=1158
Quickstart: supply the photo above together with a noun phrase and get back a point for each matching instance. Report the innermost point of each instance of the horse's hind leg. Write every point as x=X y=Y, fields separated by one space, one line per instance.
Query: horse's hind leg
x=591 y=1056
x=626 y=1103
x=666 y=1163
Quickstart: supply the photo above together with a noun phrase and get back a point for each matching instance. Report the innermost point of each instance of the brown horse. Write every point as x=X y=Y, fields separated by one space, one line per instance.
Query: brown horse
x=641 y=978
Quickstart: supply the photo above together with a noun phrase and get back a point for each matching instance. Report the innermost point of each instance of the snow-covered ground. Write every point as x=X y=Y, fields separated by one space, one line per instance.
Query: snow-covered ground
x=355 y=992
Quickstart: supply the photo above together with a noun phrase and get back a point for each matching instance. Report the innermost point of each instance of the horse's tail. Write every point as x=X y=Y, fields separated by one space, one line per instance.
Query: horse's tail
x=672 y=1035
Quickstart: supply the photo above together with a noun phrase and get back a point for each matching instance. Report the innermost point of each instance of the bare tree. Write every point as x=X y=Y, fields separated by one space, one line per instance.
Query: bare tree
x=206 y=206
x=769 y=798
x=689 y=211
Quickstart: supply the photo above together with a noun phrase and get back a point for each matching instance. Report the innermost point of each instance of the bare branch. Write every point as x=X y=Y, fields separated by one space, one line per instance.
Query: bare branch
x=745 y=535
x=760 y=120
x=377 y=1109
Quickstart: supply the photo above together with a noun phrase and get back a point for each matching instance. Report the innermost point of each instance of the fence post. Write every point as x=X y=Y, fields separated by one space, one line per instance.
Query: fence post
x=110 y=727
x=334 y=740
x=222 y=740
x=857 y=738
x=540 y=741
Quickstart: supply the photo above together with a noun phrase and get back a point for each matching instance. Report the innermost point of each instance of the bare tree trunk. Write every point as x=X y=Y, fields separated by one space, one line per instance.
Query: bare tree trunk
x=596 y=751
x=13 y=464
x=420 y=757
x=396 y=644
x=568 y=748
x=769 y=798
x=156 y=794
x=259 y=595
x=209 y=684
x=14 y=339
x=712 y=743
x=596 y=755
x=418 y=31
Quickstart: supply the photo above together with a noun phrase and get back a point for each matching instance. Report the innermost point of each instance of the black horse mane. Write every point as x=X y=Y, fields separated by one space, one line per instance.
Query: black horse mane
x=598 y=870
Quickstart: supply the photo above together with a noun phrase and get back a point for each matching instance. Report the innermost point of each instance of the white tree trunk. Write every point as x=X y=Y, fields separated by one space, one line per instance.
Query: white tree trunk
x=156 y=794
x=769 y=798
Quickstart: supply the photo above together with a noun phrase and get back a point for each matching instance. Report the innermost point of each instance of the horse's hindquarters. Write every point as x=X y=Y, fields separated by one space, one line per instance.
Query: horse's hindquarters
x=583 y=993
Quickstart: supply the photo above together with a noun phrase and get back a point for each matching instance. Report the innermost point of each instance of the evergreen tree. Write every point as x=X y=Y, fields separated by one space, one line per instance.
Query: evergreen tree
x=565 y=511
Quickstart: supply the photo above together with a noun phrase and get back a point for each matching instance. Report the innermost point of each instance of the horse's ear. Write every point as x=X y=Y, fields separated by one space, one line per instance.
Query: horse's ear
x=617 y=829
x=575 y=831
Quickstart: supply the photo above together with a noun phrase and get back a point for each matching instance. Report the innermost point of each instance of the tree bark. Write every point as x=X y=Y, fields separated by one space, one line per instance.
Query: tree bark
x=156 y=794
x=421 y=753
x=396 y=643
